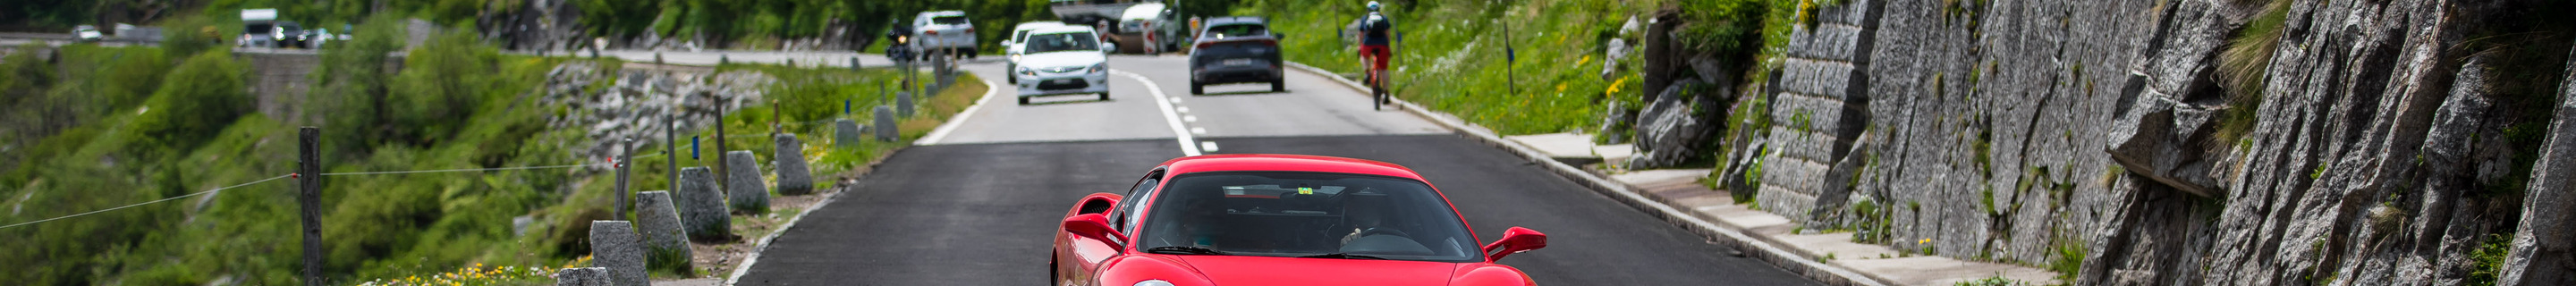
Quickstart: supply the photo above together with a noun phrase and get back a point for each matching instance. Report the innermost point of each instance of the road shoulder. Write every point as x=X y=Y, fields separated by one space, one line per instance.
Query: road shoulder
x=1730 y=224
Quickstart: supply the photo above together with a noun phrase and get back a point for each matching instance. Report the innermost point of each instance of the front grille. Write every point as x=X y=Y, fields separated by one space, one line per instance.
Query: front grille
x=1060 y=69
x=1063 y=84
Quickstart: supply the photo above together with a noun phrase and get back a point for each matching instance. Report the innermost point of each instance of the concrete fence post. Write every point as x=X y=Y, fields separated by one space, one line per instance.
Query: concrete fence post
x=903 y=104
x=743 y=189
x=794 y=178
x=885 y=124
x=614 y=245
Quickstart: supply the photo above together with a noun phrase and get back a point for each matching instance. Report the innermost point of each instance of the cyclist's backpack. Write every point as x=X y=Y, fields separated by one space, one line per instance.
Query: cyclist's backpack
x=1377 y=27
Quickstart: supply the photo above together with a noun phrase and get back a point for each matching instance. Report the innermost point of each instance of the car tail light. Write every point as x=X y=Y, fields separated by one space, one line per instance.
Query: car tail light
x=1207 y=45
x=970 y=30
x=934 y=32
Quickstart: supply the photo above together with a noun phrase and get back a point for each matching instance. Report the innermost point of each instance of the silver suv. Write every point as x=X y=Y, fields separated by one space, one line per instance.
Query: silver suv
x=938 y=30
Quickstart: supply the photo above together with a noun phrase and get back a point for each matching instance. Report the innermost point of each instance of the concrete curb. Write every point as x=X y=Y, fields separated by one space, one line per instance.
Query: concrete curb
x=1765 y=250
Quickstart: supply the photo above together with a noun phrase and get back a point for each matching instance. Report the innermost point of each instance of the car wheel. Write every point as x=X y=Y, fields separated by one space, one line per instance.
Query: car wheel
x=1278 y=85
x=1197 y=88
x=1104 y=96
x=1024 y=100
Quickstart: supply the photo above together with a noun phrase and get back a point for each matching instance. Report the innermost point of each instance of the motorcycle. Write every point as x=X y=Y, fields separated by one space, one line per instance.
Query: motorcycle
x=900 y=50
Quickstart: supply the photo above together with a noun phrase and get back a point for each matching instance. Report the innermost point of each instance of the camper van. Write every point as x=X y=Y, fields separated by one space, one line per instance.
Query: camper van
x=258 y=28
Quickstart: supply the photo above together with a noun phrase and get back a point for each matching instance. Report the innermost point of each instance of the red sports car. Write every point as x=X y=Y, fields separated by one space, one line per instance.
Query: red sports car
x=1278 y=220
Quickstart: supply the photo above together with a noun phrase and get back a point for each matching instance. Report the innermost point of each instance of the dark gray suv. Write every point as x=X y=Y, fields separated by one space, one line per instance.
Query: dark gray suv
x=1236 y=50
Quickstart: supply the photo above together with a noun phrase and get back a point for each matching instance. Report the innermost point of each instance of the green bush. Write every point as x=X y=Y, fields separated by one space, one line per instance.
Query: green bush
x=351 y=85
x=441 y=82
x=189 y=35
x=198 y=98
x=26 y=75
x=1723 y=26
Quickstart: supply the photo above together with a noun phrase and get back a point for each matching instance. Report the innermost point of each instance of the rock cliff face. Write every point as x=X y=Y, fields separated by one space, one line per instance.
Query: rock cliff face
x=2398 y=142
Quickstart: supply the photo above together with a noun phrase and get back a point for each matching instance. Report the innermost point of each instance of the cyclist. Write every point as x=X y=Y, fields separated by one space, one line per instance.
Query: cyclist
x=1376 y=32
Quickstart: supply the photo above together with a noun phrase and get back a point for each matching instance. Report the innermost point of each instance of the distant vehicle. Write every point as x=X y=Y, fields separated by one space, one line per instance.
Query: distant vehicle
x=1268 y=219
x=258 y=27
x=1062 y=61
x=1236 y=50
x=287 y=34
x=318 y=37
x=1088 y=12
x=87 y=33
x=1149 y=28
x=1019 y=35
x=943 y=30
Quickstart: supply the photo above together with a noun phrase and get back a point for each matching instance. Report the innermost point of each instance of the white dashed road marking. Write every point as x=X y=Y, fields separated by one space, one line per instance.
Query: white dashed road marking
x=1171 y=114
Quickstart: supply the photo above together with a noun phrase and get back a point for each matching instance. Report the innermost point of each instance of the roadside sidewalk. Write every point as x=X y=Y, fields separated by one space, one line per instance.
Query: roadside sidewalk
x=1675 y=196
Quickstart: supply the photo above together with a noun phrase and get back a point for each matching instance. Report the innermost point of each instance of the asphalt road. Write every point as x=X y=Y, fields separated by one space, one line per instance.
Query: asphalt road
x=977 y=205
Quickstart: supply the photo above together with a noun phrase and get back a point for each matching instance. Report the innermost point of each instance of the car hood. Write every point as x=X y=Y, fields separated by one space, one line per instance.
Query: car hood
x=1062 y=59
x=1262 y=270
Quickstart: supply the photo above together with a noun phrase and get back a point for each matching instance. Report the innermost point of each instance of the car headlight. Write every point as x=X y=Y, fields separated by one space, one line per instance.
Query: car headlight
x=1098 y=68
x=1015 y=58
x=1028 y=71
x=1153 y=283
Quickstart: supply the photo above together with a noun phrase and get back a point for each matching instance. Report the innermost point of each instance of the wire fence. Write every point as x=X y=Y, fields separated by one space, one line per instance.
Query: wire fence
x=150 y=202
x=611 y=164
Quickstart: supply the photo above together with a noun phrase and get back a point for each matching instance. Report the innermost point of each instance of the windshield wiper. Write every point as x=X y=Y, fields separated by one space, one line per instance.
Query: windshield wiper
x=1343 y=255
x=1184 y=250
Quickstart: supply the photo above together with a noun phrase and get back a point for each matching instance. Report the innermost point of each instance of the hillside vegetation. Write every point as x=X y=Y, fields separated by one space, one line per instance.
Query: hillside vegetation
x=1452 y=56
x=102 y=127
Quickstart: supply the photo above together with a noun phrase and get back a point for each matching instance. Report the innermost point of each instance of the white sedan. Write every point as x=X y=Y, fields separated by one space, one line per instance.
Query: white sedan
x=1016 y=44
x=1062 y=61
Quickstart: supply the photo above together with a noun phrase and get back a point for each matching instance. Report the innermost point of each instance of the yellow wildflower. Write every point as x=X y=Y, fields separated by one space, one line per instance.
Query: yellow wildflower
x=1924 y=241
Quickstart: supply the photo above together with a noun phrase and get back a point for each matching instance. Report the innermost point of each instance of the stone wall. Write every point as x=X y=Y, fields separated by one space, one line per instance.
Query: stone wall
x=283 y=79
x=2382 y=151
x=1817 y=108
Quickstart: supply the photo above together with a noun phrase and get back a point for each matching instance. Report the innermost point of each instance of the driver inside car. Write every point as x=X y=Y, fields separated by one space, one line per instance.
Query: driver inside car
x=1200 y=218
x=1366 y=214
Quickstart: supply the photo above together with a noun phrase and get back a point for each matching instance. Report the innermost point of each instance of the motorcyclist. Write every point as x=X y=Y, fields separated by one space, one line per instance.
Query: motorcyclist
x=899 y=48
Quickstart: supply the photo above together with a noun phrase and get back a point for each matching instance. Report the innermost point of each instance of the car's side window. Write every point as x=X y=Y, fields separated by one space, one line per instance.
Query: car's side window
x=1125 y=215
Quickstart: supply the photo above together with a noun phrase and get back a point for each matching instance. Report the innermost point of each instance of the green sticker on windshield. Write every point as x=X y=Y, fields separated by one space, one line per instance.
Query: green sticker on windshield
x=1305 y=191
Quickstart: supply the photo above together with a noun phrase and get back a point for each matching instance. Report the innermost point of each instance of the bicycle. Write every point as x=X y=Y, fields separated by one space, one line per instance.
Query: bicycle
x=1378 y=96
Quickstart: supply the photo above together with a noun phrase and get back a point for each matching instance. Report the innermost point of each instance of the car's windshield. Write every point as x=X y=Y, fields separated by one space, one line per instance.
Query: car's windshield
x=1059 y=42
x=948 y=20
x=1294 y=214
x=1237 y=30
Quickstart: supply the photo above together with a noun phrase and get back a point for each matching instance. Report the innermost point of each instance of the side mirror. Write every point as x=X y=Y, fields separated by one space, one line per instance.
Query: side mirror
x=1278 y=35
x=1096 y=226
x=1515 y=240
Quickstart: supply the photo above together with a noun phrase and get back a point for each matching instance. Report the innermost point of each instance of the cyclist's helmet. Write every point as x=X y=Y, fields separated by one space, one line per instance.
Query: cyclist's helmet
x=1373 y=6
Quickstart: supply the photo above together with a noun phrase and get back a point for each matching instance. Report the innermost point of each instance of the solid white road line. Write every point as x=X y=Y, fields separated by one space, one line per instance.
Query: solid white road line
x=951 y=125
x=1170 y=114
